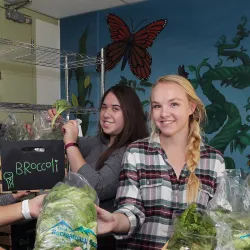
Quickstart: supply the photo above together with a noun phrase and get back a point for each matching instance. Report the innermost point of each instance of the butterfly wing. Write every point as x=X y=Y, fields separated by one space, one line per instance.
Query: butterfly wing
x=139 y=59
x=140 y=62
x=120 y=34
x=119 y=31
x=146 y=36
x=113 y=54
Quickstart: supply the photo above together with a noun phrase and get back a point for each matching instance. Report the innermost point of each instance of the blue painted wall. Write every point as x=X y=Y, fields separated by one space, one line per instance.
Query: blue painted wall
x=193 y=28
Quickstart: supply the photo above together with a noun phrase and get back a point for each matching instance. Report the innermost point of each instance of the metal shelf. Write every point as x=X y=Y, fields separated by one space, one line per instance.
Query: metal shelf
x=34 y=108
x=49 y=57
x=43 y=56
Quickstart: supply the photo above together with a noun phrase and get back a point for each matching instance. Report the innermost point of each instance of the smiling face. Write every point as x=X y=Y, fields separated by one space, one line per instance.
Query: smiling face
x=111 y=116
x=170 y=109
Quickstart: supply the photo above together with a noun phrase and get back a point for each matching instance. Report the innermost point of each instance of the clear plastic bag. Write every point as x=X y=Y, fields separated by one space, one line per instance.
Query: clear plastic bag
x=227 y=215
x=193 y=230
x=68 y=217
x=233 y=192
x=42 y=127
x=14 y=130
x=233 y=231
x=230 y=210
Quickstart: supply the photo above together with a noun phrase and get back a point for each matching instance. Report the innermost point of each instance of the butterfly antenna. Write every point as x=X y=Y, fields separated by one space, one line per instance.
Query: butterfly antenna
x=131 y=23
x=140 y=24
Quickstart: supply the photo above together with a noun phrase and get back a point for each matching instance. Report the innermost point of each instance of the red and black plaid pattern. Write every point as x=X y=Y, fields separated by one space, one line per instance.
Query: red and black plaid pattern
x=150 y=192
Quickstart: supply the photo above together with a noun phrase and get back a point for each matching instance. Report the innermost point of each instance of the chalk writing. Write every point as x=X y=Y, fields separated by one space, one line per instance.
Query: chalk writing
x=24 y=168
x=23 y=242
x=9 y=178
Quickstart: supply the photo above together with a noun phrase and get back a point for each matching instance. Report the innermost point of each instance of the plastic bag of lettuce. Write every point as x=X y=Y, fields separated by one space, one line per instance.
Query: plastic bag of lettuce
x=193 y=230
x=68 y=217
x=230 y=210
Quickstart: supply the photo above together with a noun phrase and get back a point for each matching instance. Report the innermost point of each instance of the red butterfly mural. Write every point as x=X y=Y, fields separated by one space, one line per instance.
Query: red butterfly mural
x=131 y=46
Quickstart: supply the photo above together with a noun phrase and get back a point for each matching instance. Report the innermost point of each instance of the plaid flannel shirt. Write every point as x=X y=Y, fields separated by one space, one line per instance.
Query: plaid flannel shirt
x=150 y=192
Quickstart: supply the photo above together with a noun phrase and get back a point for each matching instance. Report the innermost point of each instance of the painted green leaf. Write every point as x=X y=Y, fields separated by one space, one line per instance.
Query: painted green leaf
x=219 y=64
x=229 y=162
x=144 y=103
x=205 y=60
x=216 y=117
x=191 y=68
x=74 y=100
x=89 y=89
x=133 y=84
x=237 y=76
x=240 y=81
x=247 y=107
x=144 y=83
x=243 y=19
x=123 y=80
x=194 y=83
x=86 y=81
x=82 y=42
x=127 y=82
x=90 y=103
x=231 y=146
x=80 y=76
x=240 y=147
x=245 y=139
x=130 y=83
x=70 y=72
x=83 y=91
x=223 y=39
x=235 y=142
x=140 y=89
x=229 y=130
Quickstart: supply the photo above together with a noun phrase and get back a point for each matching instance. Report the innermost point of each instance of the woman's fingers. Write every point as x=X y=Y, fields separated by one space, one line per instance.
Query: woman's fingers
x=70 y=124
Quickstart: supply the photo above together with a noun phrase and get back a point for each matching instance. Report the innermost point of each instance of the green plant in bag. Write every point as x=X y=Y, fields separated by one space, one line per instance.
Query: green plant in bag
x=194 y=230
x=239 y=224
x=61 y=106
x=68 y=219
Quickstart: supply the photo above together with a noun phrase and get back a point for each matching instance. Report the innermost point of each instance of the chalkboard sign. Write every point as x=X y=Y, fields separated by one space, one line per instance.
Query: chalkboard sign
x=32 y=165
x=18 y=236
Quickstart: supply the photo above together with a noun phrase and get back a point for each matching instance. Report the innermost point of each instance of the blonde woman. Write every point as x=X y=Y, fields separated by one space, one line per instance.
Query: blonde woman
x=165 y=172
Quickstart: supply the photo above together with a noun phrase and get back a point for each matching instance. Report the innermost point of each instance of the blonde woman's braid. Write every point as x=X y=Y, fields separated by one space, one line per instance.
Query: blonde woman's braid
x=193 y=157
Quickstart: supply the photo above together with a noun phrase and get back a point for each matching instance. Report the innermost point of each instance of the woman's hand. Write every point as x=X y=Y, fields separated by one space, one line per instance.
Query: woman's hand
x=19 y=195
x=105 y=221
x=35 y=205
x=29 y=129
x=70 y=130
x=52 y=113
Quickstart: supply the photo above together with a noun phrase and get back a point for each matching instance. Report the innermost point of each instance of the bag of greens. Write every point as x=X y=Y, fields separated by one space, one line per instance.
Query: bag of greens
x=68 y=217
x=230 y=210
x=193 y=230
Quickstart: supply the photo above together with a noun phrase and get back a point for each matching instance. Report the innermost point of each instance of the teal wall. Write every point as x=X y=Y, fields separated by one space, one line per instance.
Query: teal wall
x=210 y=38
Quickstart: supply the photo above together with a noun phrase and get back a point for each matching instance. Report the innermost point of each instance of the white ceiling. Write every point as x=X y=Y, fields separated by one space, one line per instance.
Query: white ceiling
x=64 y=8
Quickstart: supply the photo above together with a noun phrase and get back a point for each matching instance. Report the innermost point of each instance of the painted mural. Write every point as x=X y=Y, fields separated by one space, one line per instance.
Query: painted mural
x=213 y=53
x=131 y=46
x=223 y=116
x=84 y=86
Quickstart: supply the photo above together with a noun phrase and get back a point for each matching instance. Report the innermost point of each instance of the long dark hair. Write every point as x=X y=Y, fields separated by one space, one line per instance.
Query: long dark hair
x=135 y=126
